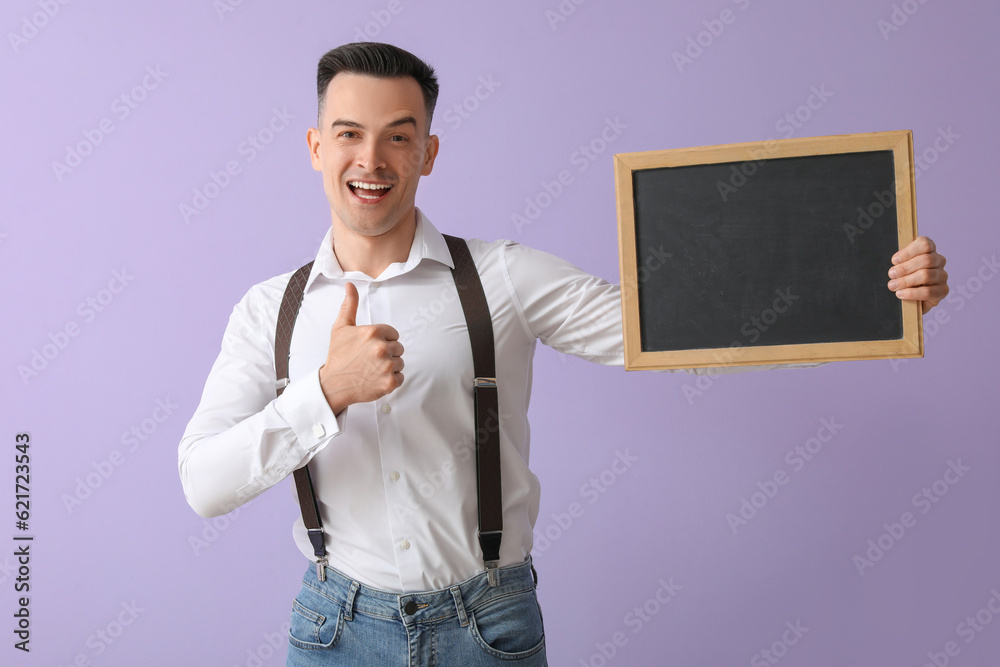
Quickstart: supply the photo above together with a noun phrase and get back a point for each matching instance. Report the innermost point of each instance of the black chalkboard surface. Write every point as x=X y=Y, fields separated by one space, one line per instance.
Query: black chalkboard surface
x=772 y=252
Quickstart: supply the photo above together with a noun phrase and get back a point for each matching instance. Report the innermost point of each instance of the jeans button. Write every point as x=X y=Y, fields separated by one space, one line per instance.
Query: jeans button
x=410 y=607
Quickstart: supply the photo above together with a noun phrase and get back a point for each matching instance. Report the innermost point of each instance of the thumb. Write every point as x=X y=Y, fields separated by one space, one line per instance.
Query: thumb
x=348 y=309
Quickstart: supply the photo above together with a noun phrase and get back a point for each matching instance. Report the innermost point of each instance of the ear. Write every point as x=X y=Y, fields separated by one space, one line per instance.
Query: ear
x=312 y=138
x=430 y=154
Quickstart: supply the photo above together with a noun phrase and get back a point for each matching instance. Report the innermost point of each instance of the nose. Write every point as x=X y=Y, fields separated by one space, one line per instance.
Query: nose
x=369 y=156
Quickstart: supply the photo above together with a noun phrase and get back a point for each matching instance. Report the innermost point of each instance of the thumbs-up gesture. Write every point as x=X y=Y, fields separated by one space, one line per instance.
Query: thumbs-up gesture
x=364 y=363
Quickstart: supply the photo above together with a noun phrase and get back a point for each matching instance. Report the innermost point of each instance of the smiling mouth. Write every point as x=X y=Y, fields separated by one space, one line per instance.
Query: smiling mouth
x=371 y=192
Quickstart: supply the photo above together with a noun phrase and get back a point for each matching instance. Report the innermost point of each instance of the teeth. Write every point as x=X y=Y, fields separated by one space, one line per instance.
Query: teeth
x=369 y=186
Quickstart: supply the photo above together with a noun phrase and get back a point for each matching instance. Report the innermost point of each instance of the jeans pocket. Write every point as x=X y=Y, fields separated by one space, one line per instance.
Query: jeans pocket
x=509 y=627
x=311 y=629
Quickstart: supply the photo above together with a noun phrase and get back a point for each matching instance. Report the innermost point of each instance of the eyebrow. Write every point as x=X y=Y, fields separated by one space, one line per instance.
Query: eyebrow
x=405 y=120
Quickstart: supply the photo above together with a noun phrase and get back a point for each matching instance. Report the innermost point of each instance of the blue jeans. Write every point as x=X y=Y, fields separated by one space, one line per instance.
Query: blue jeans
x=343 y=622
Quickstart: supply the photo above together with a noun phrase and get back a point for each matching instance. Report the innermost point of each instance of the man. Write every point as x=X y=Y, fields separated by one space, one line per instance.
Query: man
x=391 y=444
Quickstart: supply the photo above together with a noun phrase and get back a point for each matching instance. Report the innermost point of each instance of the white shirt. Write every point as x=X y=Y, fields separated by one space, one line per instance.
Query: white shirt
x=395 y=478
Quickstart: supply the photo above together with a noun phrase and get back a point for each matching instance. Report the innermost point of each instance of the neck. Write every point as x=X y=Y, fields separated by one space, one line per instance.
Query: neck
x=373 y=254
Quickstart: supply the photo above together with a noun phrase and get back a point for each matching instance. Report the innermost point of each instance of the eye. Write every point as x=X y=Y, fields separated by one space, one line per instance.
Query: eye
x=348 y=134
x=398 y=138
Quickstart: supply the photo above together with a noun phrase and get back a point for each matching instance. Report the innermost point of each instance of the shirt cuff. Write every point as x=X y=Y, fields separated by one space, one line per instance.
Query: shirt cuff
x=304 y=408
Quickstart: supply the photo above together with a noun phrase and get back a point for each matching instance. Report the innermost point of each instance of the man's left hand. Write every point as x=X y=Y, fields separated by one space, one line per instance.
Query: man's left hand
x=918 y=273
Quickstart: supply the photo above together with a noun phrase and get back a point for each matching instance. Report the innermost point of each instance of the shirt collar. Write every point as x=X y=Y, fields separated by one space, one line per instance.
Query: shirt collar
x=428 y=243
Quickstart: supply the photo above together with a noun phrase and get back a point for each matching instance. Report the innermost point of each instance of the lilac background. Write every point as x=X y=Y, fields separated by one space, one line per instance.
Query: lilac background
x=700 y=447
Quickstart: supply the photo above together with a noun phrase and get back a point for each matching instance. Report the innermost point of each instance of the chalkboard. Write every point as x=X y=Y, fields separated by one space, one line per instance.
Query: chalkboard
x=767 y=252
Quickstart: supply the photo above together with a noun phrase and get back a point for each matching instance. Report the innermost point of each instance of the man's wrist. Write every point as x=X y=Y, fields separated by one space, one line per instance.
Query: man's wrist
x=335 y=398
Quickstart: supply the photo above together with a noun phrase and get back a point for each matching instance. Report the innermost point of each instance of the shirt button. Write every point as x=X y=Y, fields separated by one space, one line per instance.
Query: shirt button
x=405 y=544
x=394 y=476
x=318 y=430
x=375 y=284
x=386 y=408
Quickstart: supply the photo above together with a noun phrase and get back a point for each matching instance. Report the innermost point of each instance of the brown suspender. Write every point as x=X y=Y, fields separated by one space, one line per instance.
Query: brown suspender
x=480 y=325
x=291 y=300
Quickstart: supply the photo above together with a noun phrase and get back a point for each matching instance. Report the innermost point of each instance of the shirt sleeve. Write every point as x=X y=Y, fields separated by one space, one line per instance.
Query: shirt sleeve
x=564 y=307
x=242 y=440
x=577 y=313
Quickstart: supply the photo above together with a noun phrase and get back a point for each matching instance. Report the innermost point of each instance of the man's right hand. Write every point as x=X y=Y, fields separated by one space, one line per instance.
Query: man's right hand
x=364 y=363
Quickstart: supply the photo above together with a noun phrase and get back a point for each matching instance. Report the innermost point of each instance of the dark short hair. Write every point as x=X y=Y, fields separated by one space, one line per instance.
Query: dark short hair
x=379 y=60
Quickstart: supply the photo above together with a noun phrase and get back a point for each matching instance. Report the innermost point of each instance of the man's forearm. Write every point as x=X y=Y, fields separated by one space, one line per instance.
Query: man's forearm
x=224 y=463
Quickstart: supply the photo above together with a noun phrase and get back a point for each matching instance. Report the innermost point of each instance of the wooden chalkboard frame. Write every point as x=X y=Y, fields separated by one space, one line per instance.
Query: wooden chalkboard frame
x=627 y=164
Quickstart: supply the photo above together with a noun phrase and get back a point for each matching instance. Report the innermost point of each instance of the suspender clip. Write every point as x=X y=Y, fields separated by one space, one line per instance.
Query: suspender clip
x=281 y=384
x=485 y=382
x=493 y=572
x=316 y=537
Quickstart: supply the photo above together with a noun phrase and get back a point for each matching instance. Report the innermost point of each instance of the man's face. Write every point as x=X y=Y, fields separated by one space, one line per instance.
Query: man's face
x=372 y=148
